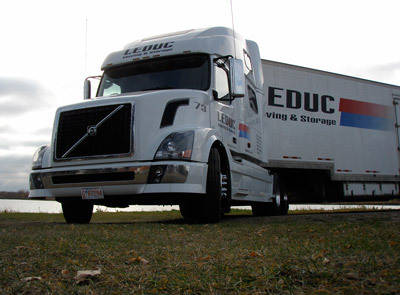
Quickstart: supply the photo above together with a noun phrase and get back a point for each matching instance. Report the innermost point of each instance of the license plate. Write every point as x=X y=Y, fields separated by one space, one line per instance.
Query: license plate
x=92 y=193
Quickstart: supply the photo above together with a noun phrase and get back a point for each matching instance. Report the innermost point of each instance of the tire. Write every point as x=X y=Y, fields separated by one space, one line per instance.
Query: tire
x=281 y=201
x=212 y=209
x=190 y=211
x=77 y=211
x=262 y=209
x=280 y=205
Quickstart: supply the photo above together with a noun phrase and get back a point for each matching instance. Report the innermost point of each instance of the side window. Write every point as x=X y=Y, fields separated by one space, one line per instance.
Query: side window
x=111 y=88
x=248 y=67
x=221 y=83
x=252 y=99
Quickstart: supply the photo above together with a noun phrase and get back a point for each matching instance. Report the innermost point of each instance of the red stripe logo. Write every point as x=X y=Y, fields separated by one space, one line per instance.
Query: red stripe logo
x=364 y=108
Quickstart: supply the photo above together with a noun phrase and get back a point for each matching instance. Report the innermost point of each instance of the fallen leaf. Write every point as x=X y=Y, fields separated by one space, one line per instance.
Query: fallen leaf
x=29 y=279
x=84 y=275
x=143 y=261
x=138 y=260
x=205 y=258
x=255 y=254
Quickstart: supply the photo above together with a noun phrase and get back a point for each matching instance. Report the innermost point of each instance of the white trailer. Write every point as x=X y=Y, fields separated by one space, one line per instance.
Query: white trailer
x=330 y=130
x=196 y=118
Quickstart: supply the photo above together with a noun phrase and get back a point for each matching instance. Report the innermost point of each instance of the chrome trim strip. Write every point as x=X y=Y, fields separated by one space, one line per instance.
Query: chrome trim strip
x=176 y=173
x=141 y=174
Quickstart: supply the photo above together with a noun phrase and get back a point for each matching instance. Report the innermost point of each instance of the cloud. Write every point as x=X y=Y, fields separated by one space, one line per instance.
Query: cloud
x=388 y=71
x=8 y=144
x=43 y=131
x=20 y=87
x=4 y=129
x=14 y=172
x=19 y=95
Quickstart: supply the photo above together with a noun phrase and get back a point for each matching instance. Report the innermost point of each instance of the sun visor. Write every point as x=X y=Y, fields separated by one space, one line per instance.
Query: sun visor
x=169 y=46
x=141 y=51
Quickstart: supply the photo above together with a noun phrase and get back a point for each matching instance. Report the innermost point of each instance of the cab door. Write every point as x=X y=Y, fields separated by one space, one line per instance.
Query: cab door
x=224 y=111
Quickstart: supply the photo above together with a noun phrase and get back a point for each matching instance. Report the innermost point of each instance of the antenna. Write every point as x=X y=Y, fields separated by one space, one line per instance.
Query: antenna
x=233 y=30
x=86 y=45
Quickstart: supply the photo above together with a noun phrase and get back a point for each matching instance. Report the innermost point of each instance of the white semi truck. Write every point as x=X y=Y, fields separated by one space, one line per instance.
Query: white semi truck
x=197 y=118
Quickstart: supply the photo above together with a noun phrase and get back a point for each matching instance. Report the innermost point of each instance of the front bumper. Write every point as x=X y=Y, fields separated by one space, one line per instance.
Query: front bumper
x=122 y=179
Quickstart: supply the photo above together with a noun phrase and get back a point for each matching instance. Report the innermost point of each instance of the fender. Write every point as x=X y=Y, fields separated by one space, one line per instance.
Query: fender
x=204 y=139
x=210 y=142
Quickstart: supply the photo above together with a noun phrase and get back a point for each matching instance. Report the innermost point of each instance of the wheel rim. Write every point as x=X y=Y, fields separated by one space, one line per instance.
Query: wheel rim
x=224 y=186
x=278 y=201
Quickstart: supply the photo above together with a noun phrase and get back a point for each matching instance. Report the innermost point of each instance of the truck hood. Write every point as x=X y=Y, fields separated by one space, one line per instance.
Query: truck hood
x=147 y=131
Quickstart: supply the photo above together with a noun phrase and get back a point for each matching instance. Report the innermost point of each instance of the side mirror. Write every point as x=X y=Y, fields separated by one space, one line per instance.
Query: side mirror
x=236 y=77
x=87 y=87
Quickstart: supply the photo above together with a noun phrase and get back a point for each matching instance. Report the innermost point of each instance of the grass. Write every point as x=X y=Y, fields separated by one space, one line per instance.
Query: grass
x=322 y=253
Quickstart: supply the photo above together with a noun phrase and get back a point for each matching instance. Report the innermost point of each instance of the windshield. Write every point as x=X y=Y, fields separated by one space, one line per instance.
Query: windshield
x=173 y=72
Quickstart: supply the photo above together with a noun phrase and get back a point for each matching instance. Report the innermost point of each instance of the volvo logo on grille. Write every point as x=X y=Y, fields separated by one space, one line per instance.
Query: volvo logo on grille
x=92 y=130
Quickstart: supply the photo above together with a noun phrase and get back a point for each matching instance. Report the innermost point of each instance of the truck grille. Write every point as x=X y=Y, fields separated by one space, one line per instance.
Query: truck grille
x=94 y=132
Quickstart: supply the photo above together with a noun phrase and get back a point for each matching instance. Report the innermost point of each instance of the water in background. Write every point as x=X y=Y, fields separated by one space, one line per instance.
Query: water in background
x=55 y=207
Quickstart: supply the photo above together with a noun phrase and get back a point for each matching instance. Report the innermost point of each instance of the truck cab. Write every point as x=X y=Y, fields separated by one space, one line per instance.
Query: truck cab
x=176 y=119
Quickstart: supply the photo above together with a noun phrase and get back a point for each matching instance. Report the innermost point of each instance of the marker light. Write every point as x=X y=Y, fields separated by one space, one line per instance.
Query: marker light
x=38 y=157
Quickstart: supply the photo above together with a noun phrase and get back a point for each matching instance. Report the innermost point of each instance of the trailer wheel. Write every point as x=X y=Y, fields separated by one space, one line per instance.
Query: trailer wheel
x=77 y=211
x=280 y=204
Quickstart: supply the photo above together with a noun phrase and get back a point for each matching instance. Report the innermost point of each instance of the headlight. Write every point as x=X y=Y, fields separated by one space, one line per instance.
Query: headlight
x=177 y=146
x=38 y=157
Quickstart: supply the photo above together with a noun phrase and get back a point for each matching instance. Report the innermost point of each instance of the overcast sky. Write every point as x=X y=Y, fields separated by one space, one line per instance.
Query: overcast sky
x=45 y=54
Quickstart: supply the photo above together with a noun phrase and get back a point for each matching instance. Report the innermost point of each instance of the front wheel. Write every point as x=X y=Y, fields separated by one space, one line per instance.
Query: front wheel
x=77 y=211
x=210 y=207
x=213 y=207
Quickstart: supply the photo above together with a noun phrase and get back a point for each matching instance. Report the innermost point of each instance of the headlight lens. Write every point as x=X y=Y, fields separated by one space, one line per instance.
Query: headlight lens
x=38 y=157
x=176 y=146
